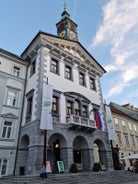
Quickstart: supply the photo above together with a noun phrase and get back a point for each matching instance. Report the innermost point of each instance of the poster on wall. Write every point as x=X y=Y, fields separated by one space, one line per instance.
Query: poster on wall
x=48 y=167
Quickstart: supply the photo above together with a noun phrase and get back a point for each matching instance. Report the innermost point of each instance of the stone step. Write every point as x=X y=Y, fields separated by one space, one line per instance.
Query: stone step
x=113 y=177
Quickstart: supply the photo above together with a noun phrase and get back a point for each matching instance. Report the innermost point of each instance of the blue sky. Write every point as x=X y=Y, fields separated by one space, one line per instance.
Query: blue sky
x=108 y=29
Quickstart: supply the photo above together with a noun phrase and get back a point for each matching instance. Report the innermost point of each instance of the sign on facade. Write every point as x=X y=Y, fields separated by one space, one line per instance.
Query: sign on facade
x=60 y=166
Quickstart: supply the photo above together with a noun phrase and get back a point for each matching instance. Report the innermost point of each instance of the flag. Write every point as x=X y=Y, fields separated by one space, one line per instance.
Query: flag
x=97 y=118
x=46 y=116
x=110 y=123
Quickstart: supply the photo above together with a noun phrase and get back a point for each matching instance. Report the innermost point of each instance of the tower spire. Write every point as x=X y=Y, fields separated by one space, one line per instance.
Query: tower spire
x=66 y=28
x=65 y=6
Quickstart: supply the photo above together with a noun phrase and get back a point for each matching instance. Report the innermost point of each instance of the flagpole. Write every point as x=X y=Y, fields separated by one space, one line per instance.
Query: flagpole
x=112 y=153
x=45 y=148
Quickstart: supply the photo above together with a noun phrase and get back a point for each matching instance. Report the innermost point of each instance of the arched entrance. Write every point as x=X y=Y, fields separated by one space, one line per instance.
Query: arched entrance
x=81 y=155
x=99 y=152
x=56 y=151
x=23 y=155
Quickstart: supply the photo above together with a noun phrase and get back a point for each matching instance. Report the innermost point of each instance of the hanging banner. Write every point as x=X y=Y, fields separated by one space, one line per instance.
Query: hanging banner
x=46 y=116
x=110 y=123
x=60 y=166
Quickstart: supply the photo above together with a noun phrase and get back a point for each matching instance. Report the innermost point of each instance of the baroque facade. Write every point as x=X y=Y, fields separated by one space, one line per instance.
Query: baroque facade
x=126 y=128
x=75 y=77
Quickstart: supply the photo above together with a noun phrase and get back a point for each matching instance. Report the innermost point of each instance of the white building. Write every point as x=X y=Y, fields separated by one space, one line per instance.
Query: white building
x=12 y=83
x=75 y=77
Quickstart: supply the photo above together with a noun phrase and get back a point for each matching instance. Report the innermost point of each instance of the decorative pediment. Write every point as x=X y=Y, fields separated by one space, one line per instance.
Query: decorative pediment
x=73 y=50
x=9 y=115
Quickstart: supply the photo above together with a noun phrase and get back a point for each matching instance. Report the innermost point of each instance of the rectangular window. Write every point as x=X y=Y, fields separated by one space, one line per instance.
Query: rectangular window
x=126 y=139
x=12 y=98
x=92 y=84
x=33 y=68
x=77 y=107
x=119 y=138
x=16 y=71
x=55 y=105
x=54 y=66
x=6 y=130
x=116 y=123
x=29 y=108
x=82 y=79
x=84 y=111
x=137 y=140
x=123 y=125
x=133 y=140
x=130 y=126
x=3 y=166
x=69 y=108
x=135 y=128
x=68 y=72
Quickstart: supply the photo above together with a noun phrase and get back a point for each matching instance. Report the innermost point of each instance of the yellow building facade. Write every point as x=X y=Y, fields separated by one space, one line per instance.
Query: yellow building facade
x=126 y=128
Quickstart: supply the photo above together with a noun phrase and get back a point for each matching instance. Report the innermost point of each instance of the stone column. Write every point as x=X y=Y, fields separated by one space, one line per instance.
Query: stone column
x=69 y=158
x=87 y=159
x=106 y=159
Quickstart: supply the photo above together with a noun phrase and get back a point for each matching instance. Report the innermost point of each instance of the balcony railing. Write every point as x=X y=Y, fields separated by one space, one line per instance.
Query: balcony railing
x=80 y=122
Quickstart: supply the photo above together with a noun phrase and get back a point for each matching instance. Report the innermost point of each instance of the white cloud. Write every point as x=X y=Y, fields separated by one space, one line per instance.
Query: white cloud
x=119 y=30
x=117 y=89
x=130 y=73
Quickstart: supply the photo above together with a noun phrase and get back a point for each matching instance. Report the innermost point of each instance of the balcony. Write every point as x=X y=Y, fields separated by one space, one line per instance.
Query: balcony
x=77 y=122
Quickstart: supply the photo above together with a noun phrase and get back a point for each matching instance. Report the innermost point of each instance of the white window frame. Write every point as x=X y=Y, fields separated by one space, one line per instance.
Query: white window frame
x=123 y=124
x=92 y=82
x=7 y=127
x=16 y=70
x=127 y=140
x=2 y=165
x=119 y=138
x=13 y=99
x=116 y=123
x=135 y=128
x=130 y=126
x=133 y=140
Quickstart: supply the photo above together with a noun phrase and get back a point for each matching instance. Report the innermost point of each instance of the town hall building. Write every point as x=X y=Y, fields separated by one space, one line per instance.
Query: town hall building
x=63 y=62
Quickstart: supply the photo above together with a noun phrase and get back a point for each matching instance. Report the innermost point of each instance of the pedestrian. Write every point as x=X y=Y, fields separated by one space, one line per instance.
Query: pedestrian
x=43 y=173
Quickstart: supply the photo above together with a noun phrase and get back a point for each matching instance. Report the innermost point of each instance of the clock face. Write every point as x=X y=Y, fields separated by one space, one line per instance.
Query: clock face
x=61 y=27
x=62 y=34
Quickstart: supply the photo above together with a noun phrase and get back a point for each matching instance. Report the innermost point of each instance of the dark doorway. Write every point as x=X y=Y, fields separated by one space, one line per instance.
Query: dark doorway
x=56 y=147
x=77 y=156
x=22 y=170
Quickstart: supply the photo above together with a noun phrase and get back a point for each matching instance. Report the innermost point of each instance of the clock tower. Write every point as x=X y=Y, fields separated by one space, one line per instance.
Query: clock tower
x=66 y=28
